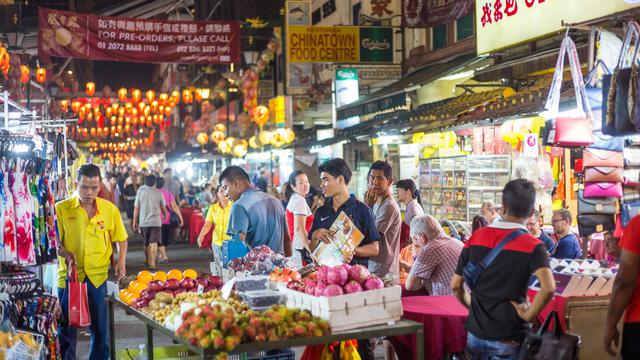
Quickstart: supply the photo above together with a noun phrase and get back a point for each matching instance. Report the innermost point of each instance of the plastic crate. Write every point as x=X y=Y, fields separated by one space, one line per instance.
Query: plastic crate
x=282 y=354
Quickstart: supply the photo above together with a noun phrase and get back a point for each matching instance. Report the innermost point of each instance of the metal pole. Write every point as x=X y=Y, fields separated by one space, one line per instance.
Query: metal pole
x=66 y=161
x=6 y=110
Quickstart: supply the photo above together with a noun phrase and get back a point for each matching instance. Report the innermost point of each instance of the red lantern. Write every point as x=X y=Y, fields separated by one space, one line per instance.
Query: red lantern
x=122 y=94
x=151 y=95
x=136 y=95
x=198 y=95
x=187 y=96
x=163 y=98
x=75 y=106
x=24 y=74
x=41 y=75
x=64 y=105
x=91 y=88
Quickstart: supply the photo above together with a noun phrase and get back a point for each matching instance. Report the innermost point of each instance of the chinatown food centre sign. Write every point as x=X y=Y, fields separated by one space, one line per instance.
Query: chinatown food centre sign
x=504 y=23
x=339 y=44
x=85 y=36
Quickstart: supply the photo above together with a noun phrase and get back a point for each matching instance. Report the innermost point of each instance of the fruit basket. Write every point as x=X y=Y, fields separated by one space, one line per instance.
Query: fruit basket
x=350 y=311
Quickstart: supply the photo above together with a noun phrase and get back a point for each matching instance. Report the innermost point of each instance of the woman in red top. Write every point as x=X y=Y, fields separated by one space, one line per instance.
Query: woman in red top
x=299 y=217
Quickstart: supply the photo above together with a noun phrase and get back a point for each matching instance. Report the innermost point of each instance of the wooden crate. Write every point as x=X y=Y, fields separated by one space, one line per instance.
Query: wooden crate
x=350 y=311
x=586 y=317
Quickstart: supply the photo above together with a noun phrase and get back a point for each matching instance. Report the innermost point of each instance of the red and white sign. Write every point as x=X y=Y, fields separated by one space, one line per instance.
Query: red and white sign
x=530 y=145
x=85 y=36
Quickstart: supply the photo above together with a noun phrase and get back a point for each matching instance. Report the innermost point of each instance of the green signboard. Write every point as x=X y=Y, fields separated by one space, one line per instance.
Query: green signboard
x=376 y=45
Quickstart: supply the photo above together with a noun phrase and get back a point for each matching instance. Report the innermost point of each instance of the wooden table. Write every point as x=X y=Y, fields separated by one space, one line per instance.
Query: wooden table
x=402 y=327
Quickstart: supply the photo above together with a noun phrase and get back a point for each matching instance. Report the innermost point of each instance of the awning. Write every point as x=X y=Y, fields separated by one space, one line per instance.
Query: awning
x=395 y=94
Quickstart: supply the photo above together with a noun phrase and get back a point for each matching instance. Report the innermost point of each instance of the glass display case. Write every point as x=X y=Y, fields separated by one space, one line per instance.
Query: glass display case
x=454 y=188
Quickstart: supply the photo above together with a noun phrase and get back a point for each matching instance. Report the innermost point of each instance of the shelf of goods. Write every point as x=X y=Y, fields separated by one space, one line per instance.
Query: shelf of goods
x=264 y=312
x=454 y=188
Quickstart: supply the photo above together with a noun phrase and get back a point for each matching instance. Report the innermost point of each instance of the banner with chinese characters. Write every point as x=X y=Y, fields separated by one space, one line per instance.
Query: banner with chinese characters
x=85 y=36
x=380 y=9
x=339 y=44
x=430 y=13
x=504 y=23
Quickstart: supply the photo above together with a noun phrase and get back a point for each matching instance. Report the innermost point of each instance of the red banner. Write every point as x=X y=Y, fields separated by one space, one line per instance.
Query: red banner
x=85 y=36
x=430 y=13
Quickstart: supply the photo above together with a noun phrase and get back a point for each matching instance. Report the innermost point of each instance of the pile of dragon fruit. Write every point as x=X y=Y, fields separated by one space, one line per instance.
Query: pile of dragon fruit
x=338 y=280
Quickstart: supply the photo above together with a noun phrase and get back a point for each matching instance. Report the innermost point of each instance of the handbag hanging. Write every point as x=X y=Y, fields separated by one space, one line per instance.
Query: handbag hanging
x=616 y=87
x=602 y=189
x=570 y=131
x=596 y=157
x=550 y=345
x=596 y=205
x=603 y=174
x=589 y=224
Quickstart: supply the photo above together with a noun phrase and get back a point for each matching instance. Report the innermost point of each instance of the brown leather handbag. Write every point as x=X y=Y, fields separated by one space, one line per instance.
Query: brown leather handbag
x=603 y=174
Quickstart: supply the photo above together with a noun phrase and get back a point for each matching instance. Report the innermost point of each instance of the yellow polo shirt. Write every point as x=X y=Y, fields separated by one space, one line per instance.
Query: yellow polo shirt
x=220 y=218
x=88 y=239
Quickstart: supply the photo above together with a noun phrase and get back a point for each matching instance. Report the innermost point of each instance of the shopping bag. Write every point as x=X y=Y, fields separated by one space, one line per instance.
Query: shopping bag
x=550 y=345
x=570 y=131
x=78 y=311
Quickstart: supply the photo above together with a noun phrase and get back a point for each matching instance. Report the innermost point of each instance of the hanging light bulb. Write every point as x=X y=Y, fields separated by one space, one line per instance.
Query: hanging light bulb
x=122 y=94
x=151 y=95
x=41 y=75
x=90 y=88
x=136 y=95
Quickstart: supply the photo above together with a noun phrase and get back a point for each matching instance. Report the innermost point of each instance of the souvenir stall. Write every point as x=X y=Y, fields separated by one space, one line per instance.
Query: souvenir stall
x=32 y=176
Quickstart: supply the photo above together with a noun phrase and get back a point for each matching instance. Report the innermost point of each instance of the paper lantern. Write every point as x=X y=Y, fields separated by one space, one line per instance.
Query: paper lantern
x=202 y=138
x=150 y=95
x=254 y=142
x=163 y=98
x=136 y=95
x=187 y=96
x=92 y=132
x=240 y=150
x=24 y=74
x=217 y=136
x=122 y=94
x=41 y=75
x=265 y=137
x=75 y=106
x=90 y=88
x=175 y=95
x=198 y=95
x=289 y=136
x=167 y=111
x=64 y=105
x=220 y=127
x=261 y=115
x=223 y=147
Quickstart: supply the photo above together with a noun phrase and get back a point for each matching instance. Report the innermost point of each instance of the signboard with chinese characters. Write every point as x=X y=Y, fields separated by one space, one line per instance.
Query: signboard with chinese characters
x=371 y=73
x=430 y=13
x=85 y=36
x=380 y=9
x=339 y=44
x=504 y=23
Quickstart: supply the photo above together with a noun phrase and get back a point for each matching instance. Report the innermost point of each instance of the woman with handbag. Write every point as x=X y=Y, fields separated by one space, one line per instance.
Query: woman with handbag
x=172 y=220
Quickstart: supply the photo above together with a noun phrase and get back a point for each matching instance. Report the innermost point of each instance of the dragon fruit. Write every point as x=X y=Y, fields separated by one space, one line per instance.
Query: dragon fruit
x=332 y=290
x=337 y=276
x=352 y=287
x=359 y=273
x=319 y=290
x=373 y=283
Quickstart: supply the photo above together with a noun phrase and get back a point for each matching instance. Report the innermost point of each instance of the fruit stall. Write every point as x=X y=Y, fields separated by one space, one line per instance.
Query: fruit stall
x=264 y=306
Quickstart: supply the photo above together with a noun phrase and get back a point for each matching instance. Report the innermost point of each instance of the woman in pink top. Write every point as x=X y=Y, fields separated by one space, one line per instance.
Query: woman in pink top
x=167 y=228
x=299 y=217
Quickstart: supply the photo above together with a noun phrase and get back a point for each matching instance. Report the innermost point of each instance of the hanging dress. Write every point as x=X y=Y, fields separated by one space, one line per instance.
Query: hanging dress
x=24 y=215
x=10 y=245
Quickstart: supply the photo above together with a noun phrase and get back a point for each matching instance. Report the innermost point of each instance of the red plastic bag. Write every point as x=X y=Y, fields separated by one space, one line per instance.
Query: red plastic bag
x=78 y=301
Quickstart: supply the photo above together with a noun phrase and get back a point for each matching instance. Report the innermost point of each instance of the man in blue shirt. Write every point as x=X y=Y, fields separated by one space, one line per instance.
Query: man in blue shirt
x=533 y=225
x=256 y=217
x=568 y=246
x=334 y=178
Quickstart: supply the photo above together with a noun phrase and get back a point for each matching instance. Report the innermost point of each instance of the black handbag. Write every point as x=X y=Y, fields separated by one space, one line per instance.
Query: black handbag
x=589 y=224
x=597 y=205
x=550 y=345
x=174 y=220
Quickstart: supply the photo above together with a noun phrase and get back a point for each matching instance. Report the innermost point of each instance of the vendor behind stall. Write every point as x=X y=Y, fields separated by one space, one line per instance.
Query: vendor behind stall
x=257 y=218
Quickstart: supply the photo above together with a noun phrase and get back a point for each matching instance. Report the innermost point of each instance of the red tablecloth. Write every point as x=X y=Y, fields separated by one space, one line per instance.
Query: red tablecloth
x=596 y=247
x=197 y=222
x=186 y=216
x=558 y=303
x=443 y=319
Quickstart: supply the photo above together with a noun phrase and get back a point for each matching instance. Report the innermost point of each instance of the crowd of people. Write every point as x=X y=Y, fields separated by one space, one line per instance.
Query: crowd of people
x=414 y=251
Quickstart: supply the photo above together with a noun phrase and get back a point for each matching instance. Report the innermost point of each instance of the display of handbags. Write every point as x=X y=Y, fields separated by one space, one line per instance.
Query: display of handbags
x=596 y=205
x=589 y=224
x=603 y=174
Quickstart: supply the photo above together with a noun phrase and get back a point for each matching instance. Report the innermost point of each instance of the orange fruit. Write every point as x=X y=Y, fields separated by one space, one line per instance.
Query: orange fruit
x=160 y=276
x=174 y=274
x=136 y=287
x=190 y=273
x=125 y=296
x=144 y=277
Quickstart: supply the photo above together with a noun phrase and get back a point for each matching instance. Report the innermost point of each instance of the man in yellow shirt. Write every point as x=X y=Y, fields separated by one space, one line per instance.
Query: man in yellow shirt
x=218 y=217
x=88 y=225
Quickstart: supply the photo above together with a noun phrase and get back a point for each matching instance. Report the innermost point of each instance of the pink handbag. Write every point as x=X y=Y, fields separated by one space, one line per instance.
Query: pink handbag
x=602 y=189
x=597 y=157
x=573 y=131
